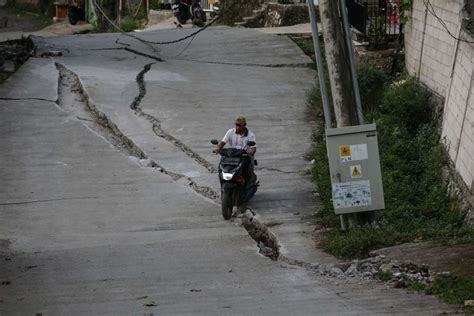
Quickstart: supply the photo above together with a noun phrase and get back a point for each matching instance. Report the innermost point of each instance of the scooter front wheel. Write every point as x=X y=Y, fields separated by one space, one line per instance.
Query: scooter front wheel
x=226 y=204
x=181 y=19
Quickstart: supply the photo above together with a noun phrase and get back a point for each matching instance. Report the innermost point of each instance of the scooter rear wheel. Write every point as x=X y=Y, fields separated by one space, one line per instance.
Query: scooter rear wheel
x=199 y=17
x=226 y=205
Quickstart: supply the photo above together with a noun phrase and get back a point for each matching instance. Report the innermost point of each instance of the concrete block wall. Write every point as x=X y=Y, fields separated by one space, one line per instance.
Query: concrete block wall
x=445 y=65
x=429 y=45
x=458 y=120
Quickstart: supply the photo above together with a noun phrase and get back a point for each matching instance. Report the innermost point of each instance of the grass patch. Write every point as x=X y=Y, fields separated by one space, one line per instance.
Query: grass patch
x=452 y=289
x=418 y=203
x=129 y=24
x=384 y=276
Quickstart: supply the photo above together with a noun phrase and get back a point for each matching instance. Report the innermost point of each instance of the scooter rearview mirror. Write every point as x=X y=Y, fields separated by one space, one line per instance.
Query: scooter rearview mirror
x=214 y=142
x=251 y=143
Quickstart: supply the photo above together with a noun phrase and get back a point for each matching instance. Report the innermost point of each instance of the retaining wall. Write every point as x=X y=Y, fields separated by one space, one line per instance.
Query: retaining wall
x=444 y=61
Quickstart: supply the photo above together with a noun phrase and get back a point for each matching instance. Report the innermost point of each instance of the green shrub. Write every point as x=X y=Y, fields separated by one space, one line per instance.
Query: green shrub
x=371 y=83
x=384 y=276
x=357 y=242
x=129 y=24
x=418 y=204
x=408 y=103
x=452 y=289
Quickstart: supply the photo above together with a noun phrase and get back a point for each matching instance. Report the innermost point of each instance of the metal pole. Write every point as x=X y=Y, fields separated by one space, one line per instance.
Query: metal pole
x=355 y=84
x=319 y=63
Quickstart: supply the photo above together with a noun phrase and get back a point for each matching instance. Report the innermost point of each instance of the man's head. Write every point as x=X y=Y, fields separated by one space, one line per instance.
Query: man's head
x=240 y=123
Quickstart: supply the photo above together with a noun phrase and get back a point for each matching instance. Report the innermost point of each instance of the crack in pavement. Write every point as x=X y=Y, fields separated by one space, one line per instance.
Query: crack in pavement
x=156 y=123
x=275 y=169
x=20 y=99
x=128 y=49
x=295 y=65
x=73 y=98
x=49 y=200
x=117 y=41
x=266 y=241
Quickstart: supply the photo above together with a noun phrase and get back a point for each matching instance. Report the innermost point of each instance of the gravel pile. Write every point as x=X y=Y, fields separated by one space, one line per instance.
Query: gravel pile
x=377 y=267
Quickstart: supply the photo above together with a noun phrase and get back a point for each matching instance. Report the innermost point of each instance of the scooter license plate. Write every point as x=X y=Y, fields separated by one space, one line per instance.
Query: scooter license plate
x=231 y=161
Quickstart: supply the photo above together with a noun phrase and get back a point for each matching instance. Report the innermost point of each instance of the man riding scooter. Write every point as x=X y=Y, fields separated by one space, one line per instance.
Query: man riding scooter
x=243 y=140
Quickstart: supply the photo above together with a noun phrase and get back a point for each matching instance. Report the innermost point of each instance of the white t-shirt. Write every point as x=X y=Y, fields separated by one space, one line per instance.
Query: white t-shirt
x=235 y=140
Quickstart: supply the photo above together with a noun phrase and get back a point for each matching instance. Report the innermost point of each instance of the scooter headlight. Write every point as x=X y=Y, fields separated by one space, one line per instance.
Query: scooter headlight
x=227 y=176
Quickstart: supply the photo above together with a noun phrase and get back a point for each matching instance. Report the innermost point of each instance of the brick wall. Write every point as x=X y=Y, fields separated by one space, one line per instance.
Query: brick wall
x=445 y=65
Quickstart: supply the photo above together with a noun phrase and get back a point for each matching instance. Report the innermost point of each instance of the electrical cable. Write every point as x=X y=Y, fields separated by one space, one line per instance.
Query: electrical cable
x=118 y=28
x=186 y=47
x=151 y=42
x=431 y=10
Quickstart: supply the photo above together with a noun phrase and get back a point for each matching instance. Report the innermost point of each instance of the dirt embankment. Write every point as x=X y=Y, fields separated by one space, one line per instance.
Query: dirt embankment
x=13 y=20
x=13 y=54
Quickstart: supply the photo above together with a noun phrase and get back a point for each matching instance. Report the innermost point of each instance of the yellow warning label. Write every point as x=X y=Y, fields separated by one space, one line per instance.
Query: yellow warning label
x=356 y=171
x=344 y=151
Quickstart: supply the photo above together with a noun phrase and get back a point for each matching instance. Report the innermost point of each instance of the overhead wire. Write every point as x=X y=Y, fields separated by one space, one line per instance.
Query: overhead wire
x=152 y=42
x=431 y=10
x=97 y=6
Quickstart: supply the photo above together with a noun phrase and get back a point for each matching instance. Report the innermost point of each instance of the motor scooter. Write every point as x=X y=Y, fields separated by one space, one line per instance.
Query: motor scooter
x=184 y=11
x=237 y=188
x=76 y=11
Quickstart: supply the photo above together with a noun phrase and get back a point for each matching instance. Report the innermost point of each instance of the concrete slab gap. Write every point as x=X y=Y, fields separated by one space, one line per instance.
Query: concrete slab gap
x=295 y=65
x=156 y=123
x=34 y=99
x=73 y=99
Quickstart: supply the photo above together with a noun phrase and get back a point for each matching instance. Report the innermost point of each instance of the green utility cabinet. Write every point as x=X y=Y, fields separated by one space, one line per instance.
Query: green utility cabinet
x=355 y=169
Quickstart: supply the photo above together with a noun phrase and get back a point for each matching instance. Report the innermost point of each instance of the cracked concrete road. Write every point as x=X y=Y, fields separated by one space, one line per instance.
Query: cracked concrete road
x=107 y=191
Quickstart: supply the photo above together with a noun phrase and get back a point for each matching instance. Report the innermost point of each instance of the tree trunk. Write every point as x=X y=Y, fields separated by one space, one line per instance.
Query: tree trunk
x=338 y=64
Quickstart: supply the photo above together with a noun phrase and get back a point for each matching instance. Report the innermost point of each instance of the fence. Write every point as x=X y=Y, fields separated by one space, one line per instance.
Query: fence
x=377 y=20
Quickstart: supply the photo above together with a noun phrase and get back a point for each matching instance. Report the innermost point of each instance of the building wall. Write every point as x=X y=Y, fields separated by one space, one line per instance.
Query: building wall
x=445 y=65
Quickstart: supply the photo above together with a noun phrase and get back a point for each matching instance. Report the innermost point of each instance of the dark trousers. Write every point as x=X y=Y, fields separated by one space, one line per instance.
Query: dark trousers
x=247 y=168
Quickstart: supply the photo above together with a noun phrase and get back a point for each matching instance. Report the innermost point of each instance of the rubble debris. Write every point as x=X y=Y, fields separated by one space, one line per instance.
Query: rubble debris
x=266 y=241
x=377 y=267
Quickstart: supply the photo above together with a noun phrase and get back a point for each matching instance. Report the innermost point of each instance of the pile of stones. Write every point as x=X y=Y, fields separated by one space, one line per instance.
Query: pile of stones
x=378 y=267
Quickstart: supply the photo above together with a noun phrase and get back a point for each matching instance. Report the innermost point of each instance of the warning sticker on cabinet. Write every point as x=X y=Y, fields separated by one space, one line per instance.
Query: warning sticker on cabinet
x=345 y=153
x=356 y=171
x=353 y=152
x=351 y=194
